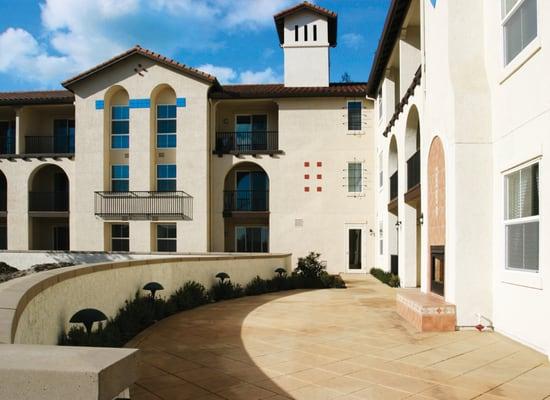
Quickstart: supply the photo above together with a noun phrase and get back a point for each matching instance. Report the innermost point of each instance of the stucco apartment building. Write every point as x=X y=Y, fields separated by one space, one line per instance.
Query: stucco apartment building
x=461 y=122
x=144 y=154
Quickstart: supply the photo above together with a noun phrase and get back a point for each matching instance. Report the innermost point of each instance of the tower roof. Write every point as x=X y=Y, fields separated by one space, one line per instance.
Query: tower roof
x=331 y=16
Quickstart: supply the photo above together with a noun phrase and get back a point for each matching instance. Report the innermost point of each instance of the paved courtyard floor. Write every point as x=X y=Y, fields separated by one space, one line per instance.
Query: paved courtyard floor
x=328 y=344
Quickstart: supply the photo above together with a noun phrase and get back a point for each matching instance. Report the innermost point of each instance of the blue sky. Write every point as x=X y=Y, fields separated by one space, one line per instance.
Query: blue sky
x=44 y=42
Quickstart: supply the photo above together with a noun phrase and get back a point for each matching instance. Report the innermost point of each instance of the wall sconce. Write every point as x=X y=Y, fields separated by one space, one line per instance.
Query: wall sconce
x=225 y=121
x=372 y=233
x=397 y=225
x=421 y=219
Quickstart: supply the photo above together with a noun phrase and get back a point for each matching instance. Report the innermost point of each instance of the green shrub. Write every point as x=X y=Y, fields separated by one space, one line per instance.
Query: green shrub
x=310 y=267
x=190 y=295
x=225 y=290
x=332 y=281
x=256 y=286
x=385 y=277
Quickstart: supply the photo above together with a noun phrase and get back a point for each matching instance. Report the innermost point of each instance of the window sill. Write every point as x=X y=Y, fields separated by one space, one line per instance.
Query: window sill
x=355 y=133
x=531 y=280
x=521 y=59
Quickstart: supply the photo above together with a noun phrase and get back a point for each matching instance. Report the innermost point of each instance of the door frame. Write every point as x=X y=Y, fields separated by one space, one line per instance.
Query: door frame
x=363 y=228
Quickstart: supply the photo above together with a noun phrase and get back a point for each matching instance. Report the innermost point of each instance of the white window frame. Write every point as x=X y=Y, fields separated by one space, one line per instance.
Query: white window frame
x=119 y=179
x=354 y=131
x=122 y=120
x=174 y=239
x=165 y=134
x=361 y=191
x=380 y=171
x=508 y=69
x=380 y=103
x=521 y=277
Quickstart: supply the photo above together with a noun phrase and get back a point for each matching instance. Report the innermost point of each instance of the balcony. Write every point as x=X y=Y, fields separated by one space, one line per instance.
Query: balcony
x=413 y=179
x=49 y=201
x=144 y=205
x=49 y=144
x=394 y=186
x=7 y=145
x=249 y=142
x=245 y=201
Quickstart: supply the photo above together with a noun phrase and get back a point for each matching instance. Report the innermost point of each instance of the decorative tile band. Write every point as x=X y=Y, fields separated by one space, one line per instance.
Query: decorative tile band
x=181 y=102
x=99 y=104
x=139 y=103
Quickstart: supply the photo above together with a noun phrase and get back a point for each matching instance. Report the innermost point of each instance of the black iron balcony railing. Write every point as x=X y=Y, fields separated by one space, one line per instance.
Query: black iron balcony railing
x=246 y=200
x=49 y=201
x=144 y=205
x=7 y=145
x=247 y=142
x=413 y=170
x=49 y=144
x=393 y=187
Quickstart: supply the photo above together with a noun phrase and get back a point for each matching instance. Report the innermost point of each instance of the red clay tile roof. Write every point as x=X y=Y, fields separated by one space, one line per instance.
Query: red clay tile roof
x=331 y=16
x=263 y=91
x=38 y=97
x=146 y=53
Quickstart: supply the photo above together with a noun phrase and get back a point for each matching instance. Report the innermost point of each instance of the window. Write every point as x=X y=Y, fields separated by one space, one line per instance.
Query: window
x=305 y=33
x=381 y=170
x=63 y=135
x=120 y=178
x=120 y=237
x=120 y=127
x=521 y=219
x=314 y=33
x=7 y=137
x=354 y=115
x=166 y=126
x=166 y=178
x=380 y=108
x=519 y=23
x=355 y=177
x=251 y=132
x=296 y=33
x=166 y=237
x=381 y=237
x=252 y=239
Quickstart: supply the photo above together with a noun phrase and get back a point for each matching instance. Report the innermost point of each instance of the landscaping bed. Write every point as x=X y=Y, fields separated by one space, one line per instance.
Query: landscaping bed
x=8 y=272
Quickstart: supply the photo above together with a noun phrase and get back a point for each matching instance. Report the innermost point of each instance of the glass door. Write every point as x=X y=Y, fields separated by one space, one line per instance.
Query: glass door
x=355 y=249
x=252 y=239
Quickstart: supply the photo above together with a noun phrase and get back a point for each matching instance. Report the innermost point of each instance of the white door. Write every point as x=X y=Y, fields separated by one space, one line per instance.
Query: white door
x=355 y=236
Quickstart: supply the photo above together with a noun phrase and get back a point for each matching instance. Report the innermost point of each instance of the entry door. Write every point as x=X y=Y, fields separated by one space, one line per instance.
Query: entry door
x=355 y=249
x=61 y=238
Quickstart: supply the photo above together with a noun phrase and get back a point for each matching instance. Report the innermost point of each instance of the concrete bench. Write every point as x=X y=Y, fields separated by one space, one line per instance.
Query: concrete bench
x=427 y=312
x=57 y=372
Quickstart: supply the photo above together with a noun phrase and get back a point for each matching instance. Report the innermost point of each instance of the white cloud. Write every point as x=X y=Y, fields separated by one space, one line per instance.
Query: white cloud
x=224 y=74
x=265 y=76
x=352 y=40
x=79 y=34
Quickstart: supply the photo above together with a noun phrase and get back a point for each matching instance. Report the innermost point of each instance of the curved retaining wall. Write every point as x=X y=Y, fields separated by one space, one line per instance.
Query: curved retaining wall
x=35 y=309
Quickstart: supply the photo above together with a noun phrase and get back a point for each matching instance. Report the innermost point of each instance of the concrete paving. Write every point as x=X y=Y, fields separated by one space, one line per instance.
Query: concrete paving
x=328 y=344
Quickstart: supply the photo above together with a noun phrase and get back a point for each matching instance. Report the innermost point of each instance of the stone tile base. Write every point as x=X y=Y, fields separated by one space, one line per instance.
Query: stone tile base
x=427 y=312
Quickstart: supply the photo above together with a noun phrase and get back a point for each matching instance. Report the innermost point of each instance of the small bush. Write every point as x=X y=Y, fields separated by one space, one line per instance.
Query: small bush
x=225 y=290
x=385 y=277
x=190 y=295
x=256 y=286
x=333 y=281
x=310 y=267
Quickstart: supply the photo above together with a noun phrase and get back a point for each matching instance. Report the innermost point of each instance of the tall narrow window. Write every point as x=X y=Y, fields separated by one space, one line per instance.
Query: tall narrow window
x=63 y=136
x=251 y=132
x=355 y=177
x=314 y=33
x=305 y=33
x=166 y=237
x=166 y=178
x=296 y=33
x=7 y=137
x=120 y=178
x=381 y=237
x=381 y=169
x=521 y=219
x=354 y=115
x=166 y=126
x=380 y=106
x=519 y=23
x=120 y=237
x=252 y=239
x=120 y=127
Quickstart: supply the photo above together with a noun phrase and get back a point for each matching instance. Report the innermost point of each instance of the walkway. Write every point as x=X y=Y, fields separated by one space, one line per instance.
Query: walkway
x=328 y=344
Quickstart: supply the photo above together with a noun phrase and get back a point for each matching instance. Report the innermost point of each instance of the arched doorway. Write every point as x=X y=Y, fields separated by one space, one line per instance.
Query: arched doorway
x=436 y=217
x=412 y=210
x=393 y=212
x=3 y=212
x=49 y=209
x=246 y=209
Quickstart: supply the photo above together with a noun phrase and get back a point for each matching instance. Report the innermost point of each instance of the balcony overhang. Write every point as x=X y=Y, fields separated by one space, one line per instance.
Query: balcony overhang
x=144 y=205
x=393 y=207
x=412 y=197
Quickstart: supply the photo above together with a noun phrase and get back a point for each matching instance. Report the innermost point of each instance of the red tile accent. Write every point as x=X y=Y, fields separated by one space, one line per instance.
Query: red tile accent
x=306 y=164
x=319 y=163
x=319 y=176
x=319 y=189
x=306 y=189
x=306 y=176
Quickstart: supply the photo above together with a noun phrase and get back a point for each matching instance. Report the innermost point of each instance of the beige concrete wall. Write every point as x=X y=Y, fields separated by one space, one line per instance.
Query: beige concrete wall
x=37 y=308
x=310 y=130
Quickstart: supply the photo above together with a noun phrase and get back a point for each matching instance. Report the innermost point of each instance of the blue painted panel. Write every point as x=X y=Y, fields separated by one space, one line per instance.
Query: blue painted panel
x=181 y=102
x=99 y=104
x=434 y=2
x=139 y=103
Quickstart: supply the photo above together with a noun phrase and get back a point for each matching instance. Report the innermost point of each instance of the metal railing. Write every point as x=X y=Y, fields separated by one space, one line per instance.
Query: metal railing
x=393 y=186
x=246 y=200
x=49 y=201
x=144 y=205
x=243 y=142
x=49 y=144
x=413 y=170
x=7 y=145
